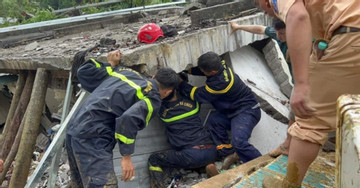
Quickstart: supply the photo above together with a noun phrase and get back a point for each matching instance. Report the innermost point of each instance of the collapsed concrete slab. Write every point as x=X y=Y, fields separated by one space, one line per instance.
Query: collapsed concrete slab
x=268 y=134
x=252 y=68
x=175 y=53
x=188 y=47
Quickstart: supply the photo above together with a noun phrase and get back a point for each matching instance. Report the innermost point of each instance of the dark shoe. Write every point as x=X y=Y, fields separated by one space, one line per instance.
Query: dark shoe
x=229 y=160
x=211 y=170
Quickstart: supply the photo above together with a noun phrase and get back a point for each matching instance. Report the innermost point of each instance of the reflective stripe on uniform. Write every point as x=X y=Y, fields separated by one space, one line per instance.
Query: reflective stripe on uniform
x=224 y=90
x=153 y=168
x=109 y=70
x=219 y=147
x=124 y=139
x=139 y=94
x=181 y=116
x=192 y=93
x=96 y=63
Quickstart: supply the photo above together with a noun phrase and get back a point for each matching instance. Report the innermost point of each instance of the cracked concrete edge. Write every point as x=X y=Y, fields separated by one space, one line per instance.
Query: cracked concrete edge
x=49 y=63
x=176 y=54
x=271 y=110
x=279 y=67
x=185 y=50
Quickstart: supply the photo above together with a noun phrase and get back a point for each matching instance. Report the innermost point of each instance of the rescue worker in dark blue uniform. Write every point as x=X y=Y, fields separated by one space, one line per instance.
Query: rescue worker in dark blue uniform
x=237 y=108
x=121 y=103
x=191 y=144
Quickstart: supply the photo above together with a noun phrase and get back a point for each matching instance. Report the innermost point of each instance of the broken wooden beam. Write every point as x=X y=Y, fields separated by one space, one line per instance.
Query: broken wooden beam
x=14 y=103
x=18 y=115
x=231 y=177
x=31 y=130
x=14 y=149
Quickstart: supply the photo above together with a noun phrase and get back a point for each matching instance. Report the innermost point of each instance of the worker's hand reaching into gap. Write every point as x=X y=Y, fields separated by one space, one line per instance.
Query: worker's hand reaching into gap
x=233 y=25
x=299 y=101
x=128 y=170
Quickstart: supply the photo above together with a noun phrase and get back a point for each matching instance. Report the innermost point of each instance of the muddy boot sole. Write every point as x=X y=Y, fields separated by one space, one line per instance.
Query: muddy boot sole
x=211 y=170
x=229 y=160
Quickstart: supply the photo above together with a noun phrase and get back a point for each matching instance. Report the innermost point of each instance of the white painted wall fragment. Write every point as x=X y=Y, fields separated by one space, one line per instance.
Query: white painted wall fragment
x=348 y=142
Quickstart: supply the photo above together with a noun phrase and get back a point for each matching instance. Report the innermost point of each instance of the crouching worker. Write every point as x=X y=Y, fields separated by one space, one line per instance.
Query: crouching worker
x=236 y=107
x=121 y=103
x=191 y=144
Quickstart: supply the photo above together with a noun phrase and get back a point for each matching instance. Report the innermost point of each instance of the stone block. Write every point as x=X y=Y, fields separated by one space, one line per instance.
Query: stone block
x=278 y=66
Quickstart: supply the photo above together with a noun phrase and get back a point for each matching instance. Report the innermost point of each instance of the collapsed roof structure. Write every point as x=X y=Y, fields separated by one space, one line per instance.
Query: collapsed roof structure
x=48 y=50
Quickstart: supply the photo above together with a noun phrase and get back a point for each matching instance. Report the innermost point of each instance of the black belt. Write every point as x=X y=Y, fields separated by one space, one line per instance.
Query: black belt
x=344 y=29
x=203 y=146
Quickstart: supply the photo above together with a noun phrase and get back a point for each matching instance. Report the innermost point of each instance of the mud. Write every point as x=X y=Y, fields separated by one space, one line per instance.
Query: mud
x=292 y=173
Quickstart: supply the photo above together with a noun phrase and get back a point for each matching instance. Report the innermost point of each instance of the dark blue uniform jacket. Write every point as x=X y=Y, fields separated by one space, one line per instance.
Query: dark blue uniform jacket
x=121 y=103
x=183 y=124
x=225 y=91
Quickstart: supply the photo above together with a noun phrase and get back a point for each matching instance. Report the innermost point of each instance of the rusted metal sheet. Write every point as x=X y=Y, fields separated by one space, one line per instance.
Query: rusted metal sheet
x=348 y=142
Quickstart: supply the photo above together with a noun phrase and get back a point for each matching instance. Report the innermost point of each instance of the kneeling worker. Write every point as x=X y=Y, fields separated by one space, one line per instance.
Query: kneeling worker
x=191 y=144
x=237 y=108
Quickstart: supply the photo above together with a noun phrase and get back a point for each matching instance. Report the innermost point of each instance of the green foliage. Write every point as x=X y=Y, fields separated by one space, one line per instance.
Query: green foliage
x=91 y=10
x=42 y=15
x=9 y=8
x=66 y=3
x=42 y=9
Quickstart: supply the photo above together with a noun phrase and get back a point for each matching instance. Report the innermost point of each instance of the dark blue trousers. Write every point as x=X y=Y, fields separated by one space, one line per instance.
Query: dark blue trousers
x=161 y=164
x=91 y=161
x=241 y=126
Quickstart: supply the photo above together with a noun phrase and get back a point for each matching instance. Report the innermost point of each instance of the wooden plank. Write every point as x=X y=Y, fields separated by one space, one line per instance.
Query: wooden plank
x=14 y=149
x=321 y=173
x=14 y=103
x=8 y=139
x=234 y=175
x=31 y=129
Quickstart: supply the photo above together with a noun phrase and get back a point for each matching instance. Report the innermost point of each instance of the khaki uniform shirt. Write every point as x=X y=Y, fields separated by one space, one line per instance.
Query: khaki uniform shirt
x=325 y=15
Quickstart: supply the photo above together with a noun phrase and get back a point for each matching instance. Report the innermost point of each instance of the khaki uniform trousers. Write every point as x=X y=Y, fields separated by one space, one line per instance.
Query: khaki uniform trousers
x=334 y=74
